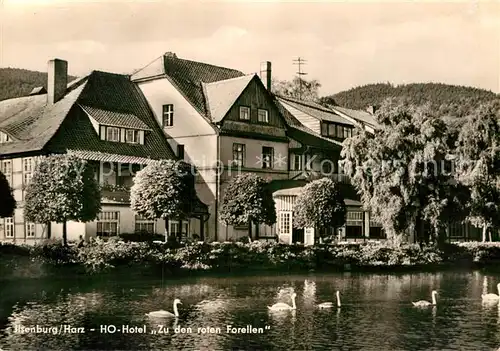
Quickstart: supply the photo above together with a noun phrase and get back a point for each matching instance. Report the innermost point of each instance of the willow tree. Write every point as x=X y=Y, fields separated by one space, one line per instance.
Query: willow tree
x=402 y=171
x=320 y=205
x=247 y=201
x=7 y=201
x=163 y=189
x=478 y=164
x=63 y=188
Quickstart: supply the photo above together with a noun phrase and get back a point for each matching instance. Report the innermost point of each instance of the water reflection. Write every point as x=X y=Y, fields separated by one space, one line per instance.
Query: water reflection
x=376 y=306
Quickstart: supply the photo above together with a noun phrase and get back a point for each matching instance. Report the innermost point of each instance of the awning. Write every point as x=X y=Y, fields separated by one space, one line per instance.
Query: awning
x=104 y=157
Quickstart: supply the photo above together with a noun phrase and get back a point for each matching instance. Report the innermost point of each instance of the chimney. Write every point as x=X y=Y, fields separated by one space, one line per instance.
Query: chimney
x=57 y=80
x=371 y=109
x=265 y=74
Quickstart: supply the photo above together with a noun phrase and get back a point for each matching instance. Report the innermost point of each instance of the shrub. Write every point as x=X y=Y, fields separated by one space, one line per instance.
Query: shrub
x=100 y=255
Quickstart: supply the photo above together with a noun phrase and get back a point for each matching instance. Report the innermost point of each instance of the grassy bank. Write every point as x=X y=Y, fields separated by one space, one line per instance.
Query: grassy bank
x=112 y=255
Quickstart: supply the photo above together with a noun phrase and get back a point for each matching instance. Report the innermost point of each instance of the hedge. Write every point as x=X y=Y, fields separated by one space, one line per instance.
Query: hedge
x=100 y=255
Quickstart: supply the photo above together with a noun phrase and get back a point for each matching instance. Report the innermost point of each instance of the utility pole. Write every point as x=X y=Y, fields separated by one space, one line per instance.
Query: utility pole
x=299 y=62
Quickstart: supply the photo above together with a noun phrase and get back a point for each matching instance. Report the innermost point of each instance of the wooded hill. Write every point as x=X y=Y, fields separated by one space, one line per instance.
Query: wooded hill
x=420 y=93
x=15 y=82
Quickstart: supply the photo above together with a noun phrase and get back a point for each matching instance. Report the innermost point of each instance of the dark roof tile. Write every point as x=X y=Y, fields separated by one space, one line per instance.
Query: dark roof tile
x=187 y=76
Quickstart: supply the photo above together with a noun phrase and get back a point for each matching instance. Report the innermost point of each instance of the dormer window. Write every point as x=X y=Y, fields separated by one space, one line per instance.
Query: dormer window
x=337 y=131
x=263 y=116
x=168 y=115
x=112 y=134
x=4 y=138
x=132 y=136
x=245 y=113
x=124 y=135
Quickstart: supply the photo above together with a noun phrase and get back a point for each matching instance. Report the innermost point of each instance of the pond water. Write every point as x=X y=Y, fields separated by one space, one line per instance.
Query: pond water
x=376 y=313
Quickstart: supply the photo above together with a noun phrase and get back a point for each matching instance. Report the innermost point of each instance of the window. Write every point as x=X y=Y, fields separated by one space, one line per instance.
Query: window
x=267 y=157
x=29 y=229
x=4 y=138
x=168 y=115
x=143 y=224
x=238 y=155
x=324 y=129
x=7 y=170
x=263 y=116
x=354 y=218
x=108 y=223
x=27 y=165
x=340 y=131
x=26 y=179
x=347 y=132
x=180 y=151
x=132 y=136
x=175 y=229
x=245 y=113
x=112 y=134
x=8 y=227
x=332 y=130
x=285 y=222
x=297 y=163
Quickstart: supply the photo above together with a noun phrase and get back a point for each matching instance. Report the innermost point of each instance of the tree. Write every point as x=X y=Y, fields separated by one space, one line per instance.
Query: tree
x=320 y=205
x=298 y=88
x=402 y=171
x=163 y=189
x=7 y=201
x=63 y=188
x=247 y=200
x=478 y=164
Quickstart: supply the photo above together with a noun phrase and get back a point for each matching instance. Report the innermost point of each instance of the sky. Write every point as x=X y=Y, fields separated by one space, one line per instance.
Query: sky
x=344 y=44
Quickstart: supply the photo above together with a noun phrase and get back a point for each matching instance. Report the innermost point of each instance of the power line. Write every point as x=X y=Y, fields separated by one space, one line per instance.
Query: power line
x=300 y=62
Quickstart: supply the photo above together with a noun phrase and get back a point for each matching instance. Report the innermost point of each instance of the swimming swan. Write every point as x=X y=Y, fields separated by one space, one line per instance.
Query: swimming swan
x=283 y=306
x=423 y=303
x=330 y=304
x=492 y=297
x=165 y=314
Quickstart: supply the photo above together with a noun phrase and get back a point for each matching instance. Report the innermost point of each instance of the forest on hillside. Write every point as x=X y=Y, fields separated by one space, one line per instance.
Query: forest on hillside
x=420 y=93
x=15 y=82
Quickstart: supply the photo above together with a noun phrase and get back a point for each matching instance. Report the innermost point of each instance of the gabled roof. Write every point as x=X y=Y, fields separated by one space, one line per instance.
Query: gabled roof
x=297 y=131
x=221 y=95
x=314 y=110
x=63 y=126
x=117 y=94
x=32 y=121
x=187 y=76
x=359 y=115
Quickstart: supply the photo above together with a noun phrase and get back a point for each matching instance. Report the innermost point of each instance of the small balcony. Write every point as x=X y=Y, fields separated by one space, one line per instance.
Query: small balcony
x=118 y=194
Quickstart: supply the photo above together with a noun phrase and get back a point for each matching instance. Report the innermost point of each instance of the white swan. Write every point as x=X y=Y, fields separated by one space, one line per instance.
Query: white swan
x=166 y=314
x=423 y=303
x=330 y=304
x=283 y=306
x=492 y=297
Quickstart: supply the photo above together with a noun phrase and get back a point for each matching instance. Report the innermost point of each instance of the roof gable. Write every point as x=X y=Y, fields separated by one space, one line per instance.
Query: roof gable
x=111 y=98
x=221 y=95
x=358 y=115
x=64 y=126
x=187 y=76
x=32 y=121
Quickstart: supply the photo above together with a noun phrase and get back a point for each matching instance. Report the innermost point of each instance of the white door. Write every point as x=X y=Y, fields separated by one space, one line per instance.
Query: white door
x=285 y=227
